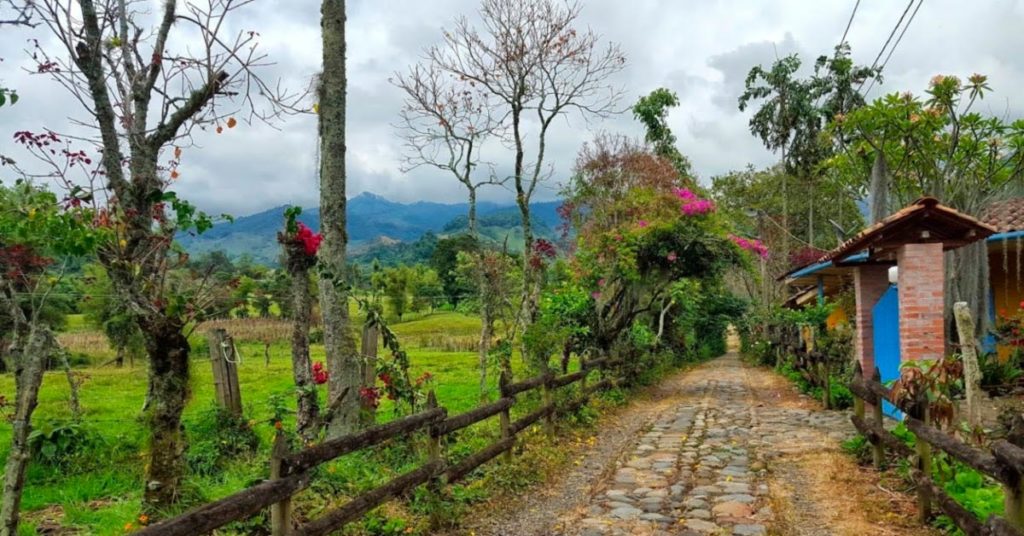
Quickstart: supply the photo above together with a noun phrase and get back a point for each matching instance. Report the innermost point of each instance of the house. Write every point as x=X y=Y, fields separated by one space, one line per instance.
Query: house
x=898 y=271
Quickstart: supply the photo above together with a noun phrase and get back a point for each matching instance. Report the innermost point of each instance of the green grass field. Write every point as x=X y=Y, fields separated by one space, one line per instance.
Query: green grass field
x=100 y=492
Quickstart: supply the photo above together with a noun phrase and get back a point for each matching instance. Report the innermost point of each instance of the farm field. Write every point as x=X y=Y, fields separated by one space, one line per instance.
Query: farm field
x=101 y=490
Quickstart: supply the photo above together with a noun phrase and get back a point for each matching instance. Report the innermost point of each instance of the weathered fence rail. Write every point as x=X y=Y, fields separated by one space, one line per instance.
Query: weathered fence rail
x=814 y=366
x=290 y=471
x=1003 y=462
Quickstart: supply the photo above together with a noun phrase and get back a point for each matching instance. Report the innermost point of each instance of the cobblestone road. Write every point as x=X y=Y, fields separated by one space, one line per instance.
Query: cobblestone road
x=699 y=468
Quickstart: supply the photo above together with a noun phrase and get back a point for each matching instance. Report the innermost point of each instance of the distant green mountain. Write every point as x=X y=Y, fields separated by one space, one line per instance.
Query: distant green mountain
x=374 y=225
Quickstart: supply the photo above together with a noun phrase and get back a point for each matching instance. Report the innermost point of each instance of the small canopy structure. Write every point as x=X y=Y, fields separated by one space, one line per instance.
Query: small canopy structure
x=924 y=221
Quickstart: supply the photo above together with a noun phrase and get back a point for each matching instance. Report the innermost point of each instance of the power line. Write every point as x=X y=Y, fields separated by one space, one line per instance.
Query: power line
x=892 y=34
x=849 y=23
x=896 y=44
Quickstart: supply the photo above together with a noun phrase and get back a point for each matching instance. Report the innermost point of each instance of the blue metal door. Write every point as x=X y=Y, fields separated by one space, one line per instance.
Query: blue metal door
x=885 y=317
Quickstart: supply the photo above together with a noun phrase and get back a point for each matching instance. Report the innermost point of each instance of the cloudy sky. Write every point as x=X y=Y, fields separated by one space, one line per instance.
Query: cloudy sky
x=702 y=50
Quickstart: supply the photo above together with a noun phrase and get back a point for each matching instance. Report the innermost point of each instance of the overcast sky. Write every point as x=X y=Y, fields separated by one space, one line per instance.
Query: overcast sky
x=702 y=50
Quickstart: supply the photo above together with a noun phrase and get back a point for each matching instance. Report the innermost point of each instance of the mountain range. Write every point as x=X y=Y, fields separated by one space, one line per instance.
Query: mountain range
x=374 y=222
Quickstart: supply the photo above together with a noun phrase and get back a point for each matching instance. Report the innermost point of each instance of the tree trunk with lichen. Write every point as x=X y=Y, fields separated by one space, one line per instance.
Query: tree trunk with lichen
x=28 y=362
x=342 y=359
x=168 y=351
x=307 y=415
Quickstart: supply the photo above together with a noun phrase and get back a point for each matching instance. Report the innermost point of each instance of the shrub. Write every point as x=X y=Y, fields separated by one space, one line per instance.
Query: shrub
x=215 y=437
x=59 y=443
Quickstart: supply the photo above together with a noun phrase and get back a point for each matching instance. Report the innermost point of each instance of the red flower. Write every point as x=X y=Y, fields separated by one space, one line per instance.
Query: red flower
x=371 y=395
x=310 y=240
x=385 y=378
x=320 y=375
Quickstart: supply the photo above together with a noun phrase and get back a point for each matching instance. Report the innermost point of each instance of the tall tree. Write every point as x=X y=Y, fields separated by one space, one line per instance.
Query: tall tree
x=652 y=111
x=342 y=357
x=535 y=66
x=939 y=145
x=146 y=97
x=795 y=112
x=445 y=123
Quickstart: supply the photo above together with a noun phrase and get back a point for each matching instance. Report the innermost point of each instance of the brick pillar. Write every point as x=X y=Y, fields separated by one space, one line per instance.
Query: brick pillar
x=869 y=283
x=922 y=280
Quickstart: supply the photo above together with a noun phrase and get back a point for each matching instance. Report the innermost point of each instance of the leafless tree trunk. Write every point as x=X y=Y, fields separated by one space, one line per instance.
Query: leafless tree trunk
x=445 y=124
x=534 y=66
x=28 y=354
x=342 y=358
x=143 y=96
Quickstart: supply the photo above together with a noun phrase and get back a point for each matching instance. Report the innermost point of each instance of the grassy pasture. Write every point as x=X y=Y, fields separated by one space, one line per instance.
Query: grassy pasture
x=99 y=493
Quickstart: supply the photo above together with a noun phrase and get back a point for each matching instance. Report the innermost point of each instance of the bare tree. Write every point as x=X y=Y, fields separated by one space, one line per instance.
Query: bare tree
x=14 y=13
x=445 y=123
x=143 y=98
x=535 y=66
x=342 y=358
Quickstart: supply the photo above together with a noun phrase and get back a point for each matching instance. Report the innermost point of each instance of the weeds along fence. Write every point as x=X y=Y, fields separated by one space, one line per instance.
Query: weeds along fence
x=1002 y=461
x=815 y=366
x=290 y=471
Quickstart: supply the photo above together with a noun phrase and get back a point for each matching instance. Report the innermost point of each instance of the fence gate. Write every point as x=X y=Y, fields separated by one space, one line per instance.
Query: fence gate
x=885 y=317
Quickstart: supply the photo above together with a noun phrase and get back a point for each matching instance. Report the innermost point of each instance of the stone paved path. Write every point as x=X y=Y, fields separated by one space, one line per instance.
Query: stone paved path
x=699 y=468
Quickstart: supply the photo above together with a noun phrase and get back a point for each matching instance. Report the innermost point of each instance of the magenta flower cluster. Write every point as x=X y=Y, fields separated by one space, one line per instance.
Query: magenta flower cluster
x=693 y=205
x=754 y=246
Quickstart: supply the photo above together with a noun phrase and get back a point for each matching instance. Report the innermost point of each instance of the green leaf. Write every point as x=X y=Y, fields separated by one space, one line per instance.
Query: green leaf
x=14 y=98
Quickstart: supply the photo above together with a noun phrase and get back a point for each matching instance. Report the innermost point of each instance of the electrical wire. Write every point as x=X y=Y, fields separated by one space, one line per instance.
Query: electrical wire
x=892 y=34
x=896 y=44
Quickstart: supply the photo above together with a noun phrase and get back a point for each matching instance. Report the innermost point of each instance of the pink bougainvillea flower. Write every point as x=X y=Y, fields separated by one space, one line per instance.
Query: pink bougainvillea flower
x=754 y=246
x=596 y=295
x=697 y=207
x=310 y=240
x=672 y=256
x=600 y=282
x=685 y=194
x=642 y=223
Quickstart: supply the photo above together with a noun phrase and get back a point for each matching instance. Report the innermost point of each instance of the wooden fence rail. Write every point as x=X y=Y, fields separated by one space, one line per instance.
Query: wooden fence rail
x=1004 y=461
x=290 y=471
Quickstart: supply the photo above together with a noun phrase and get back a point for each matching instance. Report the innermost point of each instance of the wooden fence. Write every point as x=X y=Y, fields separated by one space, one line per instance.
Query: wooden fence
x=1003 y=461
x=290 y=471
x=814 y=366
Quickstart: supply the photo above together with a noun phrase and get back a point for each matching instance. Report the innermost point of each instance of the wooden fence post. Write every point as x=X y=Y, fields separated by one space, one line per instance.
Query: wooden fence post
x=281 y=512
x=434 y=485
x=858 y=402
x=225 y=371
x=368 y=352
x=877 y=451
x=924 y=463
x=506 y=415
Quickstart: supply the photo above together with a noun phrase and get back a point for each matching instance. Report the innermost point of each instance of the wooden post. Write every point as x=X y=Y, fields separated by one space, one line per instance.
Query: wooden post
x=547 y=399
x=924 y=464
x=877 y=451
x=434 y=485
x=583 y=380
x=506 y=415
x=225 y=371
x=972 y=372
x=368 y=363
x=1013 y=491
x=281 y=512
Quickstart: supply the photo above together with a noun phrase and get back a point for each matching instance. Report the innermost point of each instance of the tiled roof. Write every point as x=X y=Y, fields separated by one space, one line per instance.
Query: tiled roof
x=1005 y=215
x=925 y=208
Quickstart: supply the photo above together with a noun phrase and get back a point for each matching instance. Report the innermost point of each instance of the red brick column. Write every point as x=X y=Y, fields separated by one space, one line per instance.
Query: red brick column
x=869 y=283
x=922 y=304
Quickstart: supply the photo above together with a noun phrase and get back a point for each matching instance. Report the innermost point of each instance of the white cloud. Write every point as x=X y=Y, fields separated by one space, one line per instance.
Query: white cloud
x=701 y=50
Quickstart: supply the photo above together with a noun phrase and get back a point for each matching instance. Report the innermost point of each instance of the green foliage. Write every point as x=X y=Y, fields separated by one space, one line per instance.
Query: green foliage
x=652 y=111
x=60 y=443
x=445 y=261
x=215 y=438
x=8 y=95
